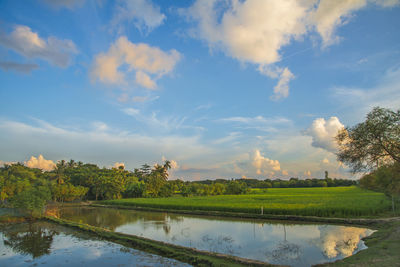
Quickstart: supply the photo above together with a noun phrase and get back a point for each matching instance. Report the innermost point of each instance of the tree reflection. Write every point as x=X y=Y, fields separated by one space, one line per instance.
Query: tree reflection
x=29 y=239
x=285 y=250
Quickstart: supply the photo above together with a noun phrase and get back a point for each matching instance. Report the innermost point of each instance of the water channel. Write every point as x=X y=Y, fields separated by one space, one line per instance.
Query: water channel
x=284 y=243
x=49 y=244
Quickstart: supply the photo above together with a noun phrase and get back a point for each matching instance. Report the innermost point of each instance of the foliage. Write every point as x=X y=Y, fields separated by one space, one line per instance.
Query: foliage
x=329 y=202
x=33 y=200
x=372 y=143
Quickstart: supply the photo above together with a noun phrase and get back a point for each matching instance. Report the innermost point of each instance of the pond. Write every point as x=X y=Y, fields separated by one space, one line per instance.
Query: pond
x=48 y=244
x=284 y=243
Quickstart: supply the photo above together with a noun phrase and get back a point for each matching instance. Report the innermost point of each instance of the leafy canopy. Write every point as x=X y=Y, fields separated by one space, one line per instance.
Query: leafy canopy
x=372 y=143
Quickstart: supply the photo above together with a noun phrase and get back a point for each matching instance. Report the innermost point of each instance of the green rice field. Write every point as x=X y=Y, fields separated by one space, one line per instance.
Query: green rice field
x=321 y=201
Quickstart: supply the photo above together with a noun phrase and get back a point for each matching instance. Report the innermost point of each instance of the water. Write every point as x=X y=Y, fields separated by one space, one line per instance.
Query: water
x=47 y=244
x=278 y=243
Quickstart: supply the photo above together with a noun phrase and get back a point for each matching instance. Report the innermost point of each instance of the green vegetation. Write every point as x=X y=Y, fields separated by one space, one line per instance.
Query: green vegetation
x=374 y=145
x=323 y=202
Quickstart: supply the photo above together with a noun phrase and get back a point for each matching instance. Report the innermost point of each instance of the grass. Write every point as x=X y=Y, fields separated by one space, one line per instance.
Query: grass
x=342 y=202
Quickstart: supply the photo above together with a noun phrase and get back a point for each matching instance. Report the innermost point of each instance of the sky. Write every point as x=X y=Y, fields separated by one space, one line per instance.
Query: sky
x=223 y=89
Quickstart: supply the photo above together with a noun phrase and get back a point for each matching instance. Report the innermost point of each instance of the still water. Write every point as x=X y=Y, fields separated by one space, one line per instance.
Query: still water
x=47 y=244
x=277 y=243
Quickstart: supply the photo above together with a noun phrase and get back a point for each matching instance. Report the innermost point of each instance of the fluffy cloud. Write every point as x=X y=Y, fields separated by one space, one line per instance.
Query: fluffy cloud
x=40 y=163
x=331 y=14
x=29 y=44
x=25 y=68
x=143 y=13
x=255 y=31
x=147 y=62
x=323 y=133
x=264 y=165
x=251 y=31
x=281 y=90
x=118 y=164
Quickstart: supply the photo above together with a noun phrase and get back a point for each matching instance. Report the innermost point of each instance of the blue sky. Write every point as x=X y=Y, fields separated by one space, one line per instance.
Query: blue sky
x=225 y=89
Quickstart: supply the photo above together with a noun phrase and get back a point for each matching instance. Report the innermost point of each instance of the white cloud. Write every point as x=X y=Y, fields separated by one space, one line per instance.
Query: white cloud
x=360 y=101
x=227 y=139
x=255 y=31
x=131 y=111
x=147 y=62
x=29 y=44
x=144 y=14
x=251 y=31
x=20 y=67
x=330 y=15
x=259 y=122
x=264 y=165
x=281 y=90
x=40 y=163
x=323 y=133
x=100 y=147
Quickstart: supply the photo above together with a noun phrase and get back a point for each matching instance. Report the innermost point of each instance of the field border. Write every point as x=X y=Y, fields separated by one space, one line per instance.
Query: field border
x=332 y=220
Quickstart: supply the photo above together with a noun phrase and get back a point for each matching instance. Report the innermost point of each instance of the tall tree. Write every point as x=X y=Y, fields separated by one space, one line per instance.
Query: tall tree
x=372 y=143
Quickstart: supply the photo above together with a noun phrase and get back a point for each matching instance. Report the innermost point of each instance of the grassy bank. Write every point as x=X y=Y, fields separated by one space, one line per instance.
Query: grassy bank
x=322 y=202
x=184 y=254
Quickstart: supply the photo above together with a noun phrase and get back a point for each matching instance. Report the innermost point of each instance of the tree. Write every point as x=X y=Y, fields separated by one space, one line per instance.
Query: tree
x=372 y=143
x=32 y=200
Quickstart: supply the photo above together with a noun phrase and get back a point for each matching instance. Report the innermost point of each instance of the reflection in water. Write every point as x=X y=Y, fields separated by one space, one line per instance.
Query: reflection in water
x=47 y=244
x=284 y=251
x=32 y=239
x=277 y=243
x=339 y=240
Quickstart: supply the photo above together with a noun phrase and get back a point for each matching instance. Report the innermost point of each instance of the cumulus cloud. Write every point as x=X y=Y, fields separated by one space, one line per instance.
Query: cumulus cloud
x=119 y=164
x=255 y=31
x=251 y=31
x=40 y=163
x=146 y=62
x=19 y=67
x=323 y=133
x=264 y=165
x=331 y=14
x=29 y=44
x=144 y=14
